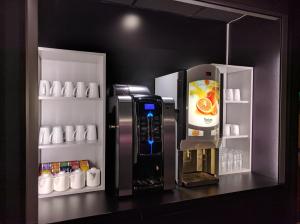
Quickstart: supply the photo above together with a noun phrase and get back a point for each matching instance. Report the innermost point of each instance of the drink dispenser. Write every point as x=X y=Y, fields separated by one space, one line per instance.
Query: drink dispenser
x=198 y=101
x=142 y=141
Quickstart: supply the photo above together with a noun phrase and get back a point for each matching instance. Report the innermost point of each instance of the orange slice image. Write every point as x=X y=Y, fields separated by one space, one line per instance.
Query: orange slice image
x=204 y=105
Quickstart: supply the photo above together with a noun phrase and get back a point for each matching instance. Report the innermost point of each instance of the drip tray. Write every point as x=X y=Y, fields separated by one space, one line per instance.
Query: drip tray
x=198 y=179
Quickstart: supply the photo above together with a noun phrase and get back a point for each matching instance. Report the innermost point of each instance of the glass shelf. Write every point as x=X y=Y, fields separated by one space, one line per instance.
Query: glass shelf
x=236 y=102
x=67 y=98
x=235 y=136
x=68 y=145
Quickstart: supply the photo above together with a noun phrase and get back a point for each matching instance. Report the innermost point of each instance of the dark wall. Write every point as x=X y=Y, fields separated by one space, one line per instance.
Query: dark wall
x=278 y=6
x=256 y=42
x=163 y=43
x=294 y=33
x=12 y=145
x=12 y=118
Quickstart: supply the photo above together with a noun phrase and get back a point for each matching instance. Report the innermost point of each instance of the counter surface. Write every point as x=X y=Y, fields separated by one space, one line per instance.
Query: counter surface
x=96 y=206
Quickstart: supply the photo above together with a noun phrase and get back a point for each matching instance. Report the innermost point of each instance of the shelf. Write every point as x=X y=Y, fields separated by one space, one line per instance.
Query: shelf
x=71 y=191
x=69 y=98
x=235 y=172
x=238 y=102
x=237 y=136
x=68 y=145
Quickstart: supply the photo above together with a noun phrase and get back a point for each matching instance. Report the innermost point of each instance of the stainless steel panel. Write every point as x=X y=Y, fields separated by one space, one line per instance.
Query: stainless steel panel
x=124 y=145
x=169 y=142
x=125 y=90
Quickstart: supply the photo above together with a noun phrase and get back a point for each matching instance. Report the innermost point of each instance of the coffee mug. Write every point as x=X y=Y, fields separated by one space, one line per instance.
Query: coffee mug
x=45 y=183
x=93 y=177
x=236 y=94
x=93 y=90
x=69 y=133
x=56 y=89
x=44 y=89
x=61 y=181
x=229 y=94
x=57 y=135
x=68 y=89
x=77 y=179
x=79 y=90
x=45 y=135
x=235 y=129
x=80 y=133
x=91 y=132
x=227 y=129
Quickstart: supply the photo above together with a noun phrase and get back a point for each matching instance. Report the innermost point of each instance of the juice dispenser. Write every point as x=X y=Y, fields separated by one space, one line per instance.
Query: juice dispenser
x=198 y=101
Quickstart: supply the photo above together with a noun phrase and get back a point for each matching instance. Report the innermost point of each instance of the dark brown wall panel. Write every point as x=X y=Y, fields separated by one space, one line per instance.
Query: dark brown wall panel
x=256 y=42
x=162 y=44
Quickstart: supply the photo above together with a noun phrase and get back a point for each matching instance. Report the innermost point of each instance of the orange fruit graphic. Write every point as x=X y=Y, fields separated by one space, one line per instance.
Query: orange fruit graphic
x=204 y=105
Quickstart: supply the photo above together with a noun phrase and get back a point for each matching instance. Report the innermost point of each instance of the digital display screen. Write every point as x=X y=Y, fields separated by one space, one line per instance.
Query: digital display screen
x=204 y=104
x=149 y=106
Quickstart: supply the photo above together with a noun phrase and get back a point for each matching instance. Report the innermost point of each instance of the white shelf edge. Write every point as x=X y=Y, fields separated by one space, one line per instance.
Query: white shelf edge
x=234 y=172
x=238 y=102
x=68 y=145
x=69 y=98
x=71 y=191
x=237 y=136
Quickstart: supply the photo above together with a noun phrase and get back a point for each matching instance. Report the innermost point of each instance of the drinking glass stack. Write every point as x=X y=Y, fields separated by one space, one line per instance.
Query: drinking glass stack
x=231 y=160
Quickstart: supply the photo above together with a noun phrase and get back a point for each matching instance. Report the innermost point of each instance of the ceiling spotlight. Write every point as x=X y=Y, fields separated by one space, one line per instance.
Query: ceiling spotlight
x=131 y=21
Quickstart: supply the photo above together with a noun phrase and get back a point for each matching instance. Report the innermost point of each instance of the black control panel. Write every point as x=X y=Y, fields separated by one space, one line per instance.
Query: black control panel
x=149 y=127
x=148 y=173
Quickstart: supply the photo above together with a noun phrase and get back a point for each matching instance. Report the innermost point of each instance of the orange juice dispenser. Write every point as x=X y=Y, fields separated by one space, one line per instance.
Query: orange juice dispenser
x=198 y=100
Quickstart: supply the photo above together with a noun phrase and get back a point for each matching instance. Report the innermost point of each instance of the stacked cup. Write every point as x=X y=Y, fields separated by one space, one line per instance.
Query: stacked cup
x=69 y=133
x=233 y=95
x=231 y=130
x=68 y=89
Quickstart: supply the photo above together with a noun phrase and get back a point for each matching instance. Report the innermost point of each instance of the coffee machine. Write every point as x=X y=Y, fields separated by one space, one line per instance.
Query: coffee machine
x=141 y=136
x=198 y=99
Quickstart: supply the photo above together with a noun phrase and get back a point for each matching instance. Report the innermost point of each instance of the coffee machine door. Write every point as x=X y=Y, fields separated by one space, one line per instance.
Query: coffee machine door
x=169 y=142
x=123 y=157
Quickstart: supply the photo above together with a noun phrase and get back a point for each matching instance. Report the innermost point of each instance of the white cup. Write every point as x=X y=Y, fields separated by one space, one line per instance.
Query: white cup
x=61 y=181
x=69 y=133
x=77 y=179
x=91 y=132
x=45 y=135
x=227 y=128
x=229 y=94
x=56 y=89
x=57 y=135
x=80 y=90
x=45 y=185
x=80 y=133
x=44 y=89
x=236 y=94
x=93 y=90
x=93 y=177
x=68 y=89
x=235 y=129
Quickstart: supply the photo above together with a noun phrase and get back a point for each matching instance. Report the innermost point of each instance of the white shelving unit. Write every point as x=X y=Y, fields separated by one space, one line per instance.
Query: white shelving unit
x=68 y=145
x=67 y=65
x=235 y=136
x=238 y=112
x=68 y=98
x=241 y=101
x=71 y=191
